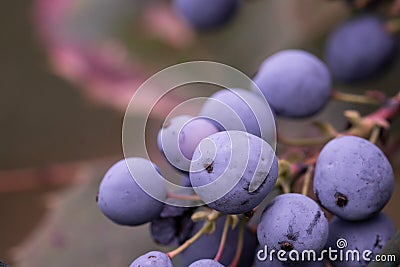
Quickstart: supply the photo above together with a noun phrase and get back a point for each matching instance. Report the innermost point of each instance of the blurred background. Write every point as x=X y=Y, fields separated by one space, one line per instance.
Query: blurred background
x=68 y=71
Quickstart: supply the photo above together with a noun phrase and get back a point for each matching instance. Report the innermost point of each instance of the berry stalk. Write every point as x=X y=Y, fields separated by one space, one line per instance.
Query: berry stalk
x=223 y=240
x=353 y=98
x=307 y=180
x=361 y=126
x=183 y=197
x=207 y=227
x=239 y=247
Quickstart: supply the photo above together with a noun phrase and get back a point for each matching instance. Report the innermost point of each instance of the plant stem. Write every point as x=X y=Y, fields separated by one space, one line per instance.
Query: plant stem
x=391 y=248
x=307 y=180
x=375 y=134
x=191 y=240
x=183 y=197
x=208 y=224
x=390 y=110
x=239 y=246
x=311 y=141
x=223 y=240
x=381 y=117
x=352 y=98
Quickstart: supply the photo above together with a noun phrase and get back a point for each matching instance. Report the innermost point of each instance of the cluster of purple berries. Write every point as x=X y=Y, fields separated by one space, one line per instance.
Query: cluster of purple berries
x=226 y=155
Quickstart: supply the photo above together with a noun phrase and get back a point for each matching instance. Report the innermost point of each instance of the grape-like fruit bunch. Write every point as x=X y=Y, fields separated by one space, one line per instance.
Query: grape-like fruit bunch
x=226 y=157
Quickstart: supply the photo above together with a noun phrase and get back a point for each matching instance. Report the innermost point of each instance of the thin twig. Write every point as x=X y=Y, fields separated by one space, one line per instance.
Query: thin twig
x=239 y=246
x=183 y=197
x=375 y=134
x=223 y=240
x=213 y=216
x=307 y=180
x=353 y=98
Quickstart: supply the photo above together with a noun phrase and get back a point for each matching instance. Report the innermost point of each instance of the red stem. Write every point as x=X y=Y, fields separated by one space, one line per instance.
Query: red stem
x=223 y=240
x=239 y=247
x=183 y=197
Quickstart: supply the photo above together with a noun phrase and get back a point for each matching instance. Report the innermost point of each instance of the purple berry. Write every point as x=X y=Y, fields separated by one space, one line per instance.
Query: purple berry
x=295 y=83
x=359 y=48
x=123 y=201
x=172 y=227
x=192 y=133
x=226 y=165
x=154 y=259
x=206 y=263
x=206 y=14
x=180 y=136
x=371 y=234
x=163 y=230
x=242 y=110
x=293 y=222
x=169 y=144
x=353 y=178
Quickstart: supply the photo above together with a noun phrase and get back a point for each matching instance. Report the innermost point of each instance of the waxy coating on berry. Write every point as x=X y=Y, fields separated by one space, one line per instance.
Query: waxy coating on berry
x=295 y=83
x=239 y=158
x=371 y=234
x=206 y=14
x=242 y=110
x=353 y=179
x=154 y=259
x=293 y=222
x=206 y=263
x=122 y=199
x=359 y=48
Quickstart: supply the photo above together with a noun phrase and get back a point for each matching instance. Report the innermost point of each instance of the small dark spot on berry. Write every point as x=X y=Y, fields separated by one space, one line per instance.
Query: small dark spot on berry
x=378 y=242
x=313 y=223
x=209 y=167
x=292 y=237
x=286 y=246
x=341 y=200
x=244 y=202
x=151 y=257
